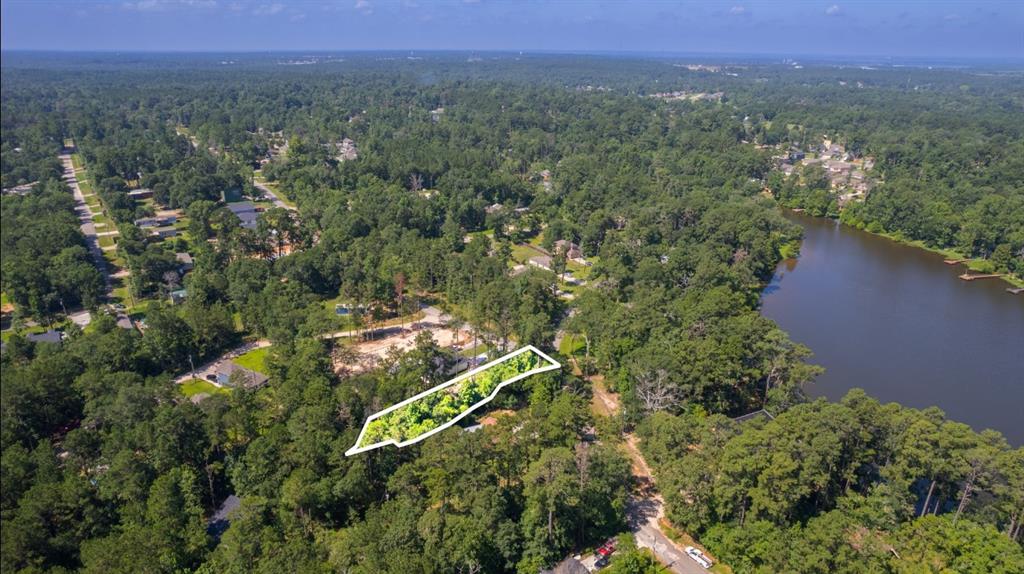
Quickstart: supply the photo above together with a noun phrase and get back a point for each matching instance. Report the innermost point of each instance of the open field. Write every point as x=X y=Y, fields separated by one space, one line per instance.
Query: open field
x=254 y=360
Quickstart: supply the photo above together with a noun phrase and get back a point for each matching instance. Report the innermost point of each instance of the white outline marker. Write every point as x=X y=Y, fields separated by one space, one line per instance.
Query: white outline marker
x=552 y=365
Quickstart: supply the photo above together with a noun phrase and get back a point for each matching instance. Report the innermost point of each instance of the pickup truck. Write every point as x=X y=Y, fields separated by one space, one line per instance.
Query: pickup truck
x=698 y=557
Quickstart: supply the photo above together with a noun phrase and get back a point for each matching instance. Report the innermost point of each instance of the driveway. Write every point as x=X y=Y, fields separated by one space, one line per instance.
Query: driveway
x=273 y=197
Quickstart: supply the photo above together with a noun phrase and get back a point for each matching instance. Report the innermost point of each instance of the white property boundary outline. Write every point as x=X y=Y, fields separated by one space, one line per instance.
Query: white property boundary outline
x=553 y=364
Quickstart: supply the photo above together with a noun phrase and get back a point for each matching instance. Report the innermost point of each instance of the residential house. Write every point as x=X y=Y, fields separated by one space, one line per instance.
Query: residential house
x=836 y=167
x=344 y=309
x=542 y=261
x=230 y=374
x=219 y=522
x=178 y=296
x=185 y=263
x=50 y=336
x=346 y=150
x=569 y=249
x=246 y=213
x=143 y=193
x=160 y=221
x=164 y=232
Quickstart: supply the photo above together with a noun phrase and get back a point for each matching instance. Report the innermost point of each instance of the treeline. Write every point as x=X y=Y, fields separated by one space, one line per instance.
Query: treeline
x=949 y=151
x=107 y=469
x=854 y=486
x=47 y=267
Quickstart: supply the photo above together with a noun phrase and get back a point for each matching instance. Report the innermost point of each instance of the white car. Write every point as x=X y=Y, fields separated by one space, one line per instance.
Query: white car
x=698 y=557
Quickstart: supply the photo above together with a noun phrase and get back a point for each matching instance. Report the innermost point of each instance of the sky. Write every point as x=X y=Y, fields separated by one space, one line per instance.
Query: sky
x=895 y=28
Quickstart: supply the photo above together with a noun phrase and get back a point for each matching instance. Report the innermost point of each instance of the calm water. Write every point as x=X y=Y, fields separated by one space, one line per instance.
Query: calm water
x=896 y=321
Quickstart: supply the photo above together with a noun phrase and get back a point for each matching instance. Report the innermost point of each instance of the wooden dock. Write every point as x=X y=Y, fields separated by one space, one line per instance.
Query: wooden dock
x=1015 y=290
x=970 y=277
x=955 y=261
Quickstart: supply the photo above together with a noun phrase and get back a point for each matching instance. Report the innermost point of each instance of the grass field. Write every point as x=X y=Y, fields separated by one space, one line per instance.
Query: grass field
x=106 y=240
x=570 y=344
x=195 y=386
x=255 y=360
x=522 y=253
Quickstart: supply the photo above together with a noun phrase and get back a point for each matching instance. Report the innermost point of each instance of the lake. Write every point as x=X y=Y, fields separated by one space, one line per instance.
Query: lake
x=896 y=321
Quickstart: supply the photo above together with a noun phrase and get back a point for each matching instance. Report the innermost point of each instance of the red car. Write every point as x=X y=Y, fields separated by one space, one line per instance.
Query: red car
x=607 y=549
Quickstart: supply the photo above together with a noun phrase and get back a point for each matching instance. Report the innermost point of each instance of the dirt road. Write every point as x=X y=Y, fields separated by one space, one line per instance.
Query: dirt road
x=645 y=508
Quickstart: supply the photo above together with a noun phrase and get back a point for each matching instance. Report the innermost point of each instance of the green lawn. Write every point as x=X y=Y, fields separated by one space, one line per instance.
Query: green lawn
x=522 y=253
x=195 y=386
x=7 y=333
x=86 y=186
x=103 y=220
x=255 y=360
x=474 y=351
x=106 y=240
x=3 y=299
x=570 y=344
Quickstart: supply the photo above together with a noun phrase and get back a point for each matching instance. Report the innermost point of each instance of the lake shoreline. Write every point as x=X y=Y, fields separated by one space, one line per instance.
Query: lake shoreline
x=895 y=321
x=969 y=263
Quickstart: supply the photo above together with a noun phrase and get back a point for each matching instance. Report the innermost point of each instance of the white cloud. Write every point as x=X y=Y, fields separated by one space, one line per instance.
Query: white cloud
x=144 y=5
x=158 y=5
x=268 y=9
x=832 y=10
x=364 y=6
x=738 y=10
x=297 y=17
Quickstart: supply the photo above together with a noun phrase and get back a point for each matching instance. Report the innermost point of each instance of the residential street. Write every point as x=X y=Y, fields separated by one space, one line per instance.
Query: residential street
x=85 y=216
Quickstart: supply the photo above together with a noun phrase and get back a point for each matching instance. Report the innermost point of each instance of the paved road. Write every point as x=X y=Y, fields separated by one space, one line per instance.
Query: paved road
x=85 y=216
x=643 y=514
x=273 y=197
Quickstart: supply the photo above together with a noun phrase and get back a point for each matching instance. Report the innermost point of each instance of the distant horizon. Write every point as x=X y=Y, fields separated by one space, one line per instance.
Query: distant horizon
x=987 y=30
x=716 y=57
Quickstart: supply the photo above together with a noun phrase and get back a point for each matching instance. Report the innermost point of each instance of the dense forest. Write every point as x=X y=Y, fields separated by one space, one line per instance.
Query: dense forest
x=464 y=171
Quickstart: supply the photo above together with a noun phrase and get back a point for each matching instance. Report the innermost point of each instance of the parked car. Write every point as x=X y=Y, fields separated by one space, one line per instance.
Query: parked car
x=211 y=377
x=698 y=557
x=601 y=562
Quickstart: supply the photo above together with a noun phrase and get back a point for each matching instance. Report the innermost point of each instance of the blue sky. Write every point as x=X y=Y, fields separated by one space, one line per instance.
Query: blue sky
x=898 y=28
